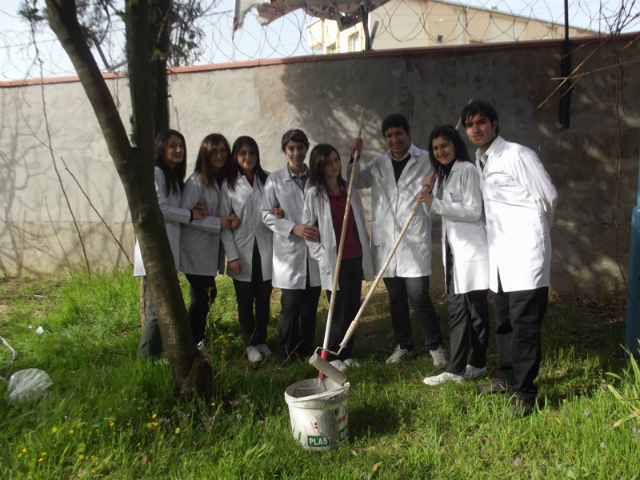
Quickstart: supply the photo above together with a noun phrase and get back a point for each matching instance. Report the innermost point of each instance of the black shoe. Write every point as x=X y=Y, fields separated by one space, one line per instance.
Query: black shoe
x=495 y=385
x=305 y=351
x=520 y=408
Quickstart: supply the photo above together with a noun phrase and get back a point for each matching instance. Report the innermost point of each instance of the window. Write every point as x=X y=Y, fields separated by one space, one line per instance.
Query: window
x=354 y=42
x=440 y=38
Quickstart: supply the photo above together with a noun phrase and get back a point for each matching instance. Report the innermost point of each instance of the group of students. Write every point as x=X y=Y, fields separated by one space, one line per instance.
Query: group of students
x=282 y=230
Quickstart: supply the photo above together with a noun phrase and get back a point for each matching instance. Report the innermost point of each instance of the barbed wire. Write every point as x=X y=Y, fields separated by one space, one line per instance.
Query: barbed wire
x=397 y=24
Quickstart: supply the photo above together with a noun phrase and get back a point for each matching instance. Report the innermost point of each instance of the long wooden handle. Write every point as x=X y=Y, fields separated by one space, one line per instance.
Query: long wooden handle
x=355 y=321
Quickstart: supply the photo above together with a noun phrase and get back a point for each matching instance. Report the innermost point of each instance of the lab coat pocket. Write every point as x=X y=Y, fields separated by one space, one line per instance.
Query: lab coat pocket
x=289 y=202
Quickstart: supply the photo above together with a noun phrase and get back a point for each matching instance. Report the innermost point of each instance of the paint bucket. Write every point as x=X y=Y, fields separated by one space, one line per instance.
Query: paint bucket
x=318 y=412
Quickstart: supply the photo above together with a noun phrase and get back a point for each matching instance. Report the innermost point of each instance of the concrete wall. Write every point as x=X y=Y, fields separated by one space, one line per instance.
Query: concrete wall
x=324 y=96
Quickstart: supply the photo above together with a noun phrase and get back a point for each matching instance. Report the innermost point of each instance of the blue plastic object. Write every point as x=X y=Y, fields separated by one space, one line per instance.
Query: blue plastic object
x=633 y=300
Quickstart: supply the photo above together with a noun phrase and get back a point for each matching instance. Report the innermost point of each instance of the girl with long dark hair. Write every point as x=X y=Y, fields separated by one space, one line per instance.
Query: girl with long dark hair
x=200 y=240
x=171 y=165
x=456 y=196
x=324 y=206
x=249 y=247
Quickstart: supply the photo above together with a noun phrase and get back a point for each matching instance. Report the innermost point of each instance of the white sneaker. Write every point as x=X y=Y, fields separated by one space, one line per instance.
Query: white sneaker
x=351 y=363
x=202 y=346
x=444 y=377
x=439 y=358
x=263 y=349
x=474 y=372
x=399 y=355
x=253 y=354
x=339 y=364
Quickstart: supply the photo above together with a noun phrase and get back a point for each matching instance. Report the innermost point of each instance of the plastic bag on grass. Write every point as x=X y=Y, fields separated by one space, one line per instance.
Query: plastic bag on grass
x=28 y=384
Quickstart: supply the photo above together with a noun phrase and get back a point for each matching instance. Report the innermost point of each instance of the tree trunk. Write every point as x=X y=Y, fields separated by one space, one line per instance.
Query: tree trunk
x=191 y=371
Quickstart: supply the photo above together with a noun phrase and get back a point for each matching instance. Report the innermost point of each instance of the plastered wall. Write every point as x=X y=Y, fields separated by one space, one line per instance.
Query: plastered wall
x=324 y=96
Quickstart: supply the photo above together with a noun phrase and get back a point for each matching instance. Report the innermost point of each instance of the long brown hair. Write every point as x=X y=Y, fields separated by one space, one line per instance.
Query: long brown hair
x=318 y=160
x=208 y=173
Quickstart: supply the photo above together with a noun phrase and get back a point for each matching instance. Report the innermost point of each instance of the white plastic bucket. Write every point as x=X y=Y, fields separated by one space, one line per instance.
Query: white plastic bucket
x=318 y=412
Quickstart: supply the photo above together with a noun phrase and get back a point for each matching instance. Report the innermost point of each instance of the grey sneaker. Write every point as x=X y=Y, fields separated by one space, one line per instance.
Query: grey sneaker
x=253 y=354
x=399 y=355
x=351 y=363
x=444 y=377
x=263 y=349
x=339 y=364
x=439 y=357
x=202 y=346
x=474 y=372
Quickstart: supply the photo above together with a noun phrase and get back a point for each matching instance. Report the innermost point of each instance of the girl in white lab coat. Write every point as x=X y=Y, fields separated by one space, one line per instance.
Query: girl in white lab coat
x=170 y=169
x=324 y=205
x=249 y=247
x=456 y=196
x=200 y=239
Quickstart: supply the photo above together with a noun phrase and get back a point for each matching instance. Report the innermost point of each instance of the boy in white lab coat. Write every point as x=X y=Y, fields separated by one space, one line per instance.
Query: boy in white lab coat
x=294 y=271
x=519 y=201
x=395 y=180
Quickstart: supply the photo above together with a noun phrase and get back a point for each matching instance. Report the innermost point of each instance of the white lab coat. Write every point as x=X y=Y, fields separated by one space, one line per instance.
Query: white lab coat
x=463 y=227
x=245 y=202
x=317 y=209
x=519 y=202
x=290 y=252
x=200 y=239
x=391 y=204
x=173 y=217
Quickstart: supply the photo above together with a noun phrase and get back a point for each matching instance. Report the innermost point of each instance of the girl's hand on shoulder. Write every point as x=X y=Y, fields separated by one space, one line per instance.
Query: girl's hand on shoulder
x=235 y=267
x=278 y=212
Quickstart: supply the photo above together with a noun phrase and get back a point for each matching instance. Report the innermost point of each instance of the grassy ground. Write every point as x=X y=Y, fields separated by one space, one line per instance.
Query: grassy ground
x=107 y=415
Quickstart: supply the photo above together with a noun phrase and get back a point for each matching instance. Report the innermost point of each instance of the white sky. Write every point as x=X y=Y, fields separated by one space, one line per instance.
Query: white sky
x=283 y=38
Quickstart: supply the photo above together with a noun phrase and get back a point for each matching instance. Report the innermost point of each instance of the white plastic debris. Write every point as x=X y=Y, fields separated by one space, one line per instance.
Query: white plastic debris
x=39 y=330
x=28 y=384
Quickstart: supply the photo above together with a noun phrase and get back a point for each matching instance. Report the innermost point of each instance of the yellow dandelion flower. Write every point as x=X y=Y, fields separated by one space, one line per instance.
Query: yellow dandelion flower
x=149 y=425
x=54 y=430
x=155 y=424
x=161 y=437
x=93 y=457
x=78 y=426
x=70 y=432
x=39 y=459
x=19 y=455
x=111 y=424
x=154 y=415
x=24 y=450
x=43 y=454
x=81 y=457
x=177 y=430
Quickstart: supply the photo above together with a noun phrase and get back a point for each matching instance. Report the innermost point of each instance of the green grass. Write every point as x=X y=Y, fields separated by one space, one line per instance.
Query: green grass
x=108 y=415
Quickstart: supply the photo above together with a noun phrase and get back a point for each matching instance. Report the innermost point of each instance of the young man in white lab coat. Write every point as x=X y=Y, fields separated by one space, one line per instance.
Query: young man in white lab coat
x=395 y=180
x=519 y=201
x=294 y=271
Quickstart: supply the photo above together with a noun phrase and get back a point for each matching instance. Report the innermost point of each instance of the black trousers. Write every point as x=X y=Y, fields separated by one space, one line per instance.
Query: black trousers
x=298 y=319
x=347 y=304
x=256 y=293
x=416 y=290
x=518 y=319
x=468 y=324
x=202 y=289
x=151 y=341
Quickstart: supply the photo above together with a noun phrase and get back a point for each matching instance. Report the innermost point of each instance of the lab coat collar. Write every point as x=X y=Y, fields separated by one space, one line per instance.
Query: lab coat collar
x=413 y=150
x=495 y=150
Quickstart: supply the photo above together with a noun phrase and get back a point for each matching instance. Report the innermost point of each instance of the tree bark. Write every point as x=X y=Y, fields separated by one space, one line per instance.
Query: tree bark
x=191 y=371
